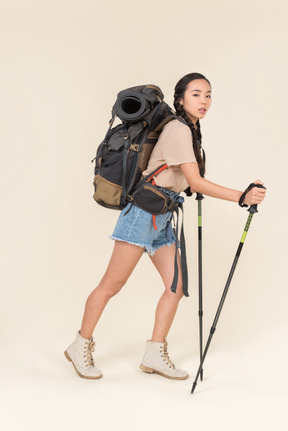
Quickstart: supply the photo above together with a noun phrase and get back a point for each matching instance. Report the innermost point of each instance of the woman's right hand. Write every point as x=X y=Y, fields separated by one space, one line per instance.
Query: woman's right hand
x=256 y=195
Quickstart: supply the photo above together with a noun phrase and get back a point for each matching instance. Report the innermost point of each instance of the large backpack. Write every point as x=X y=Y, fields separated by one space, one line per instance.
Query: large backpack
x=125 y=151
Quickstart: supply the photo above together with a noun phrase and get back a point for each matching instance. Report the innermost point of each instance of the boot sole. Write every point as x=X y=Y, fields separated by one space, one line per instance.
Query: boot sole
x=79 y=374
x=151 y=371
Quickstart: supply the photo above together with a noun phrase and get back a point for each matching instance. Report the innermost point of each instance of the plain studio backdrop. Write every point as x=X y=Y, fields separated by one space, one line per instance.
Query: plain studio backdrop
x=62 y=65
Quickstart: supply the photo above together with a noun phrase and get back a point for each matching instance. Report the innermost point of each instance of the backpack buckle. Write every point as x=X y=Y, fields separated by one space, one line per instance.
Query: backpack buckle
x=171 y=204
x=135 y=147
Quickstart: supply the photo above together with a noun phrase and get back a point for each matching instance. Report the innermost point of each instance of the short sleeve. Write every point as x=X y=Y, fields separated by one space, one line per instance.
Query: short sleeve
x=178 y=144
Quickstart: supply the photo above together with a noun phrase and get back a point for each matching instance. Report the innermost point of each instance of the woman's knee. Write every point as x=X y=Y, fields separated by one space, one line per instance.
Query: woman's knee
x=179 y=293
x=175 y=295
x=111 y=288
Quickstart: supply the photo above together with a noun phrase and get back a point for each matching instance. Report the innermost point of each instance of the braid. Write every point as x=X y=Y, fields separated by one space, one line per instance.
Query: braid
x=196 y=135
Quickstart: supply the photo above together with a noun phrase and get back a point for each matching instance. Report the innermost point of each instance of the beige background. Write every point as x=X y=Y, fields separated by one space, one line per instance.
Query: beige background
x=61 y=66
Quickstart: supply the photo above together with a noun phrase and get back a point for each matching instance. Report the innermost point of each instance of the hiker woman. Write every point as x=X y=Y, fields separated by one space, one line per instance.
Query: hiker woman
x=134 y=232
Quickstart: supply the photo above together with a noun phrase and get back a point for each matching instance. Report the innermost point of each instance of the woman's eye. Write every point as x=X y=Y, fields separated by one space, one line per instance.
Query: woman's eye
x=209 y=96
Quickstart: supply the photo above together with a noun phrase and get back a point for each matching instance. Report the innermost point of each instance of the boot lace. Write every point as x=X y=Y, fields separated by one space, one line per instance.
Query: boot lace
x=165 y=355
x=88 y=350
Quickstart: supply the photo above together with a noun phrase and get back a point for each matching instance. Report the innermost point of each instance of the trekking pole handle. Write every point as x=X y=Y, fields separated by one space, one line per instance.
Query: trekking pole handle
x=199 y=197
x=253 y=208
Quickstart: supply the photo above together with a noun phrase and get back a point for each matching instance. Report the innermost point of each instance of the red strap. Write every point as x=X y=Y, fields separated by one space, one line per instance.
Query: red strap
x=154 y=221
x=159 y=170
x=153 y=215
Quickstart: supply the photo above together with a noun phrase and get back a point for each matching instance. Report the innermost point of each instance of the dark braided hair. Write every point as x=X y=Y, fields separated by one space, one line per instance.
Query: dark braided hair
x=180 y=89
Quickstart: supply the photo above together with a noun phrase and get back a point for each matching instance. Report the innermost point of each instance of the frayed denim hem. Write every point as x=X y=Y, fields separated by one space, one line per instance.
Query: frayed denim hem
x=148 y=248
x=160 y=246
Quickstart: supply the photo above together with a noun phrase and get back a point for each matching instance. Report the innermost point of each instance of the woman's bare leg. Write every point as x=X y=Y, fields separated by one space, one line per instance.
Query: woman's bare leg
x=166 y=309
x=123 y=260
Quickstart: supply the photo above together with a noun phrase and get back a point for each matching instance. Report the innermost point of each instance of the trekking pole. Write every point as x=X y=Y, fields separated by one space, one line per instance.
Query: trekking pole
x=199 y=198
x=252 y=210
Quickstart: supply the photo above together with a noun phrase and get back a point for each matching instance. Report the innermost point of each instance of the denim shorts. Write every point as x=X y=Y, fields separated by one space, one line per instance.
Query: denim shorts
x=135 y=226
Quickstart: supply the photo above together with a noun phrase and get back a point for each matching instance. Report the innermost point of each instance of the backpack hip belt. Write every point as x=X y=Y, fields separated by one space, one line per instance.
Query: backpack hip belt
x=151 y=198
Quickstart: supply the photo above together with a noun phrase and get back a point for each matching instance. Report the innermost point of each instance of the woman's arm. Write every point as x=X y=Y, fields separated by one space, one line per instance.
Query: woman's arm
x=201 y=185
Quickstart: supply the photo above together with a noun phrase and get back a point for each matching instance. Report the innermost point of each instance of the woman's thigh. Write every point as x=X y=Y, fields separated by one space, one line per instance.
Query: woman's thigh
x=123 y=260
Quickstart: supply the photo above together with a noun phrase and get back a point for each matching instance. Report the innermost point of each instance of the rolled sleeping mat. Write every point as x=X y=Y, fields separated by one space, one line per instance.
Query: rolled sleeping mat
x=131 y=106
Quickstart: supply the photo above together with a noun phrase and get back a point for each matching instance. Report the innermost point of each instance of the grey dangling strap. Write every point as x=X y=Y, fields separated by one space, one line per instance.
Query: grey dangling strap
x=183 y=256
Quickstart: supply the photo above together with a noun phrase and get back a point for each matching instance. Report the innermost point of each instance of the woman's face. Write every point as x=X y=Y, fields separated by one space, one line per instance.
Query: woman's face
x=197 y=99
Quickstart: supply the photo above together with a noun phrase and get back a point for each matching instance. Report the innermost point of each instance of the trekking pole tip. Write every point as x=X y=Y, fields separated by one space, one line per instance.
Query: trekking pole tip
x=193 y=387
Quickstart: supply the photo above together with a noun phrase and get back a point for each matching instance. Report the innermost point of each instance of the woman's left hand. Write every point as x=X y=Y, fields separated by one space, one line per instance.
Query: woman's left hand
x=256 y=195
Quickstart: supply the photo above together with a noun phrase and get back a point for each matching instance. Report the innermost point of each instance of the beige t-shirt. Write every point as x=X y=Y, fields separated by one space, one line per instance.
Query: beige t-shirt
x=174 y=147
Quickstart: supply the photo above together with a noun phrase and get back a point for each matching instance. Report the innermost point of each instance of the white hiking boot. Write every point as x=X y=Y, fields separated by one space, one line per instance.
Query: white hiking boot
x=156 y=360
x=80 y=354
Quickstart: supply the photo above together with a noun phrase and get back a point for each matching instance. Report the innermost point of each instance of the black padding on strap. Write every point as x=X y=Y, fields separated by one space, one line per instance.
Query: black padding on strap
x=242 y=197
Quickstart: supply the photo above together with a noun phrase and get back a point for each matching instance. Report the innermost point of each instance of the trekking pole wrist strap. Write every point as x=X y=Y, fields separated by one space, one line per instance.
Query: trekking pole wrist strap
x=243 y=196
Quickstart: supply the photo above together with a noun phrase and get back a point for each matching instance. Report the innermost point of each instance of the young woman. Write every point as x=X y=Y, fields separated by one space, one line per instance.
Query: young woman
x=134 y=232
